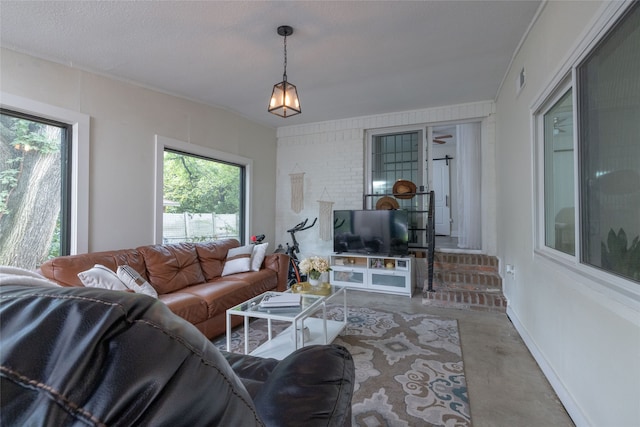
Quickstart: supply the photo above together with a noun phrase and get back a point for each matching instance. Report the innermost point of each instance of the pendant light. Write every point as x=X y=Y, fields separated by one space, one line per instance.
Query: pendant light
x=284 y=98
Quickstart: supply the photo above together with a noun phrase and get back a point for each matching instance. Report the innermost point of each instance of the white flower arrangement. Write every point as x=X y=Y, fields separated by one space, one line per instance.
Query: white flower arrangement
x=314 y=266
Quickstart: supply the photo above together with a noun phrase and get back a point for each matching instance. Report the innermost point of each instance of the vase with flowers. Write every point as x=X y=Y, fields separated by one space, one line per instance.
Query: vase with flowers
x=313 y=267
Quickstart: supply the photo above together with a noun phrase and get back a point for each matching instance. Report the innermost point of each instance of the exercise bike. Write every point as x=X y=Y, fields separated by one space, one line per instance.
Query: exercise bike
x=294 y=276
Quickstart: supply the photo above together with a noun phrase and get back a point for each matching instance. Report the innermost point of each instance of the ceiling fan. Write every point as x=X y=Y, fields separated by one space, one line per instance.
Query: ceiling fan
x=559 y=125
x=440 y=139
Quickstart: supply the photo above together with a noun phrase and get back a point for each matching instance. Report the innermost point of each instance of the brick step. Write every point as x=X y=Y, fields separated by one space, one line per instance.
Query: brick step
x=447 y=266
x=466 y=300
x=462 y=261
x=467 y=279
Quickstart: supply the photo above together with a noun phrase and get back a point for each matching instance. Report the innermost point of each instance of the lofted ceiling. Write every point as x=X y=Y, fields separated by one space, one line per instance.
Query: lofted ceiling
x=347 y=58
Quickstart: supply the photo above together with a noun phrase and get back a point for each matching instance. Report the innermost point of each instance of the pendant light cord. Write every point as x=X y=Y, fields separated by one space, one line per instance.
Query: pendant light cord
x=284 y=76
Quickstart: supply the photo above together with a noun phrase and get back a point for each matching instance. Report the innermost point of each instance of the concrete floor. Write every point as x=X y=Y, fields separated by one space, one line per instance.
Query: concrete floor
x=505 y=385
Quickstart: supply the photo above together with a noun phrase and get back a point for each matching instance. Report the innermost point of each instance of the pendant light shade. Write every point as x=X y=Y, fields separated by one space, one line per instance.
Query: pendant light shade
x=284 y=97
x=284 y=100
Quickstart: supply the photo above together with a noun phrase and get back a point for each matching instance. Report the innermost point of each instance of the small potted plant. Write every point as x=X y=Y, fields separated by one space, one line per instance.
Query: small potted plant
x=313 y=267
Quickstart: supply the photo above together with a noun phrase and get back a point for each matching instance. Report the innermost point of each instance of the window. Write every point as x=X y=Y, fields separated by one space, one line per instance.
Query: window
x=606 y=185
x=203 y=193
x=609 y=130
x=394 y=156
x=35 y=189
x=78 y=131
x=202 y=199
x=559 y=175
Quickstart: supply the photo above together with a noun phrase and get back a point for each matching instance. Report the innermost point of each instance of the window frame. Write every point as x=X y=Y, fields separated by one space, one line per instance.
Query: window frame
x=423 y=136
x=79 y=162
x=552 y=98
x=618 y=288
x=162 y=143
x=65 y=156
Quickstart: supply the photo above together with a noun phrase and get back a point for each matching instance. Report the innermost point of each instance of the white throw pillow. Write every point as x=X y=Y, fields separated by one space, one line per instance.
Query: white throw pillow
x=135 y=282
x=101 y=277
x=10 y=275
x=238 y=260
x=257 y=257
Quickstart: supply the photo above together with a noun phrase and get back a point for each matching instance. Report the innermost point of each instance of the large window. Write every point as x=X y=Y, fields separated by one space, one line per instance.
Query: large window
x=202 y=199
x=606 y=185
x=609 y=130
x=202 y=194
x=35 y=189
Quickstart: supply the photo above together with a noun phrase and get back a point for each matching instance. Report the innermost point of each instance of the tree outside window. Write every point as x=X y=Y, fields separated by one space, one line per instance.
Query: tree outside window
x=34 y=195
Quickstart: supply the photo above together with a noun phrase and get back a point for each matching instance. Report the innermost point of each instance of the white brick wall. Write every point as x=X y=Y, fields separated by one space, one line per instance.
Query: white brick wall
x=331 y=154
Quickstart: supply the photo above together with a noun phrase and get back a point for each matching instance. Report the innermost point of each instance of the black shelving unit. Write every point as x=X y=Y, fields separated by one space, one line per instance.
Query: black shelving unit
x=425 y=213
x=418 y=214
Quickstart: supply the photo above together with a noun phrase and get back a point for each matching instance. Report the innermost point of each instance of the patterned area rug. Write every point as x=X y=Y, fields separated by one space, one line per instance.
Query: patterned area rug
x=409 y=369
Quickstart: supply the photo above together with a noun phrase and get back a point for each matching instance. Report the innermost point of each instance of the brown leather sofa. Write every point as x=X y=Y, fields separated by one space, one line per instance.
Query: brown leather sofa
x=187 y=277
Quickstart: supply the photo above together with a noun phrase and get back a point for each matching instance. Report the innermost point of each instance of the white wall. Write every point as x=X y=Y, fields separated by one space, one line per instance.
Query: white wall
x=585 y=337
x=124 y=121
x=331 y=154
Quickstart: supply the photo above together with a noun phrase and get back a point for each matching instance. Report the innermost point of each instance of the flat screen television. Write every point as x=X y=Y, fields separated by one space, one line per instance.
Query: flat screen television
x=375 y=232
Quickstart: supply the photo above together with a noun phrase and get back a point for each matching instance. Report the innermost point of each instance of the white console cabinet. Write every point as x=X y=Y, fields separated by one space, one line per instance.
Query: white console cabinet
x=393 y=275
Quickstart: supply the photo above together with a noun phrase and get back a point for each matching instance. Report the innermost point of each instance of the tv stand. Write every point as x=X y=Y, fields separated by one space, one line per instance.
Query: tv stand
x=376 y=273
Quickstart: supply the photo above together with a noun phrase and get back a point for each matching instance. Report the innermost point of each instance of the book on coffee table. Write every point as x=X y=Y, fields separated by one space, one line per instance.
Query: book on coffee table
x=280 y=300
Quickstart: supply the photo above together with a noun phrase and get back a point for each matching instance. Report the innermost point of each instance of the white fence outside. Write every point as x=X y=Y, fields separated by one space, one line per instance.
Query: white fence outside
x=199 y=227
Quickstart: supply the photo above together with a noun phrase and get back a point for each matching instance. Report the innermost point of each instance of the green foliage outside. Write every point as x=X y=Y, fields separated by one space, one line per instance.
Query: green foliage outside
x=56 y=244
x=200 y=185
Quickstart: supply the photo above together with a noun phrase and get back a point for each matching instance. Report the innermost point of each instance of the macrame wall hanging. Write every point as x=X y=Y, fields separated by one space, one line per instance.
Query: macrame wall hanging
x=297 y=191
x=326 y=207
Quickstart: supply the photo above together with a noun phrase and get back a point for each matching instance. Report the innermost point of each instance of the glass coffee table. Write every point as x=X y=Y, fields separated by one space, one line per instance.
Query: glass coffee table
x=320 y=329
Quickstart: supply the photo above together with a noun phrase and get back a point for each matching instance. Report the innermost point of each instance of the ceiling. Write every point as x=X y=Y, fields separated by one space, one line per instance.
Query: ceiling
x=347 y=58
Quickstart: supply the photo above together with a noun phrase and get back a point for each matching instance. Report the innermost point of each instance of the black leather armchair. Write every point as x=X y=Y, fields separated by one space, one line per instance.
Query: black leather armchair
x=82 y=356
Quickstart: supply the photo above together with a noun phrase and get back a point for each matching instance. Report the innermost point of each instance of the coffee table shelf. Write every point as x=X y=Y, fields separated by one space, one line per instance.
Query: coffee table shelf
x=321 y=329
x=282 y=344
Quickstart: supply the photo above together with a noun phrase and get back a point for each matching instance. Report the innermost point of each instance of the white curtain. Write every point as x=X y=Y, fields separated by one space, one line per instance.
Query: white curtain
x=468 y=177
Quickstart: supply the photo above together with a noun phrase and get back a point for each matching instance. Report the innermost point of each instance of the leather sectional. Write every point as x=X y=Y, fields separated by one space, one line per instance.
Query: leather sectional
x=187 y=276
